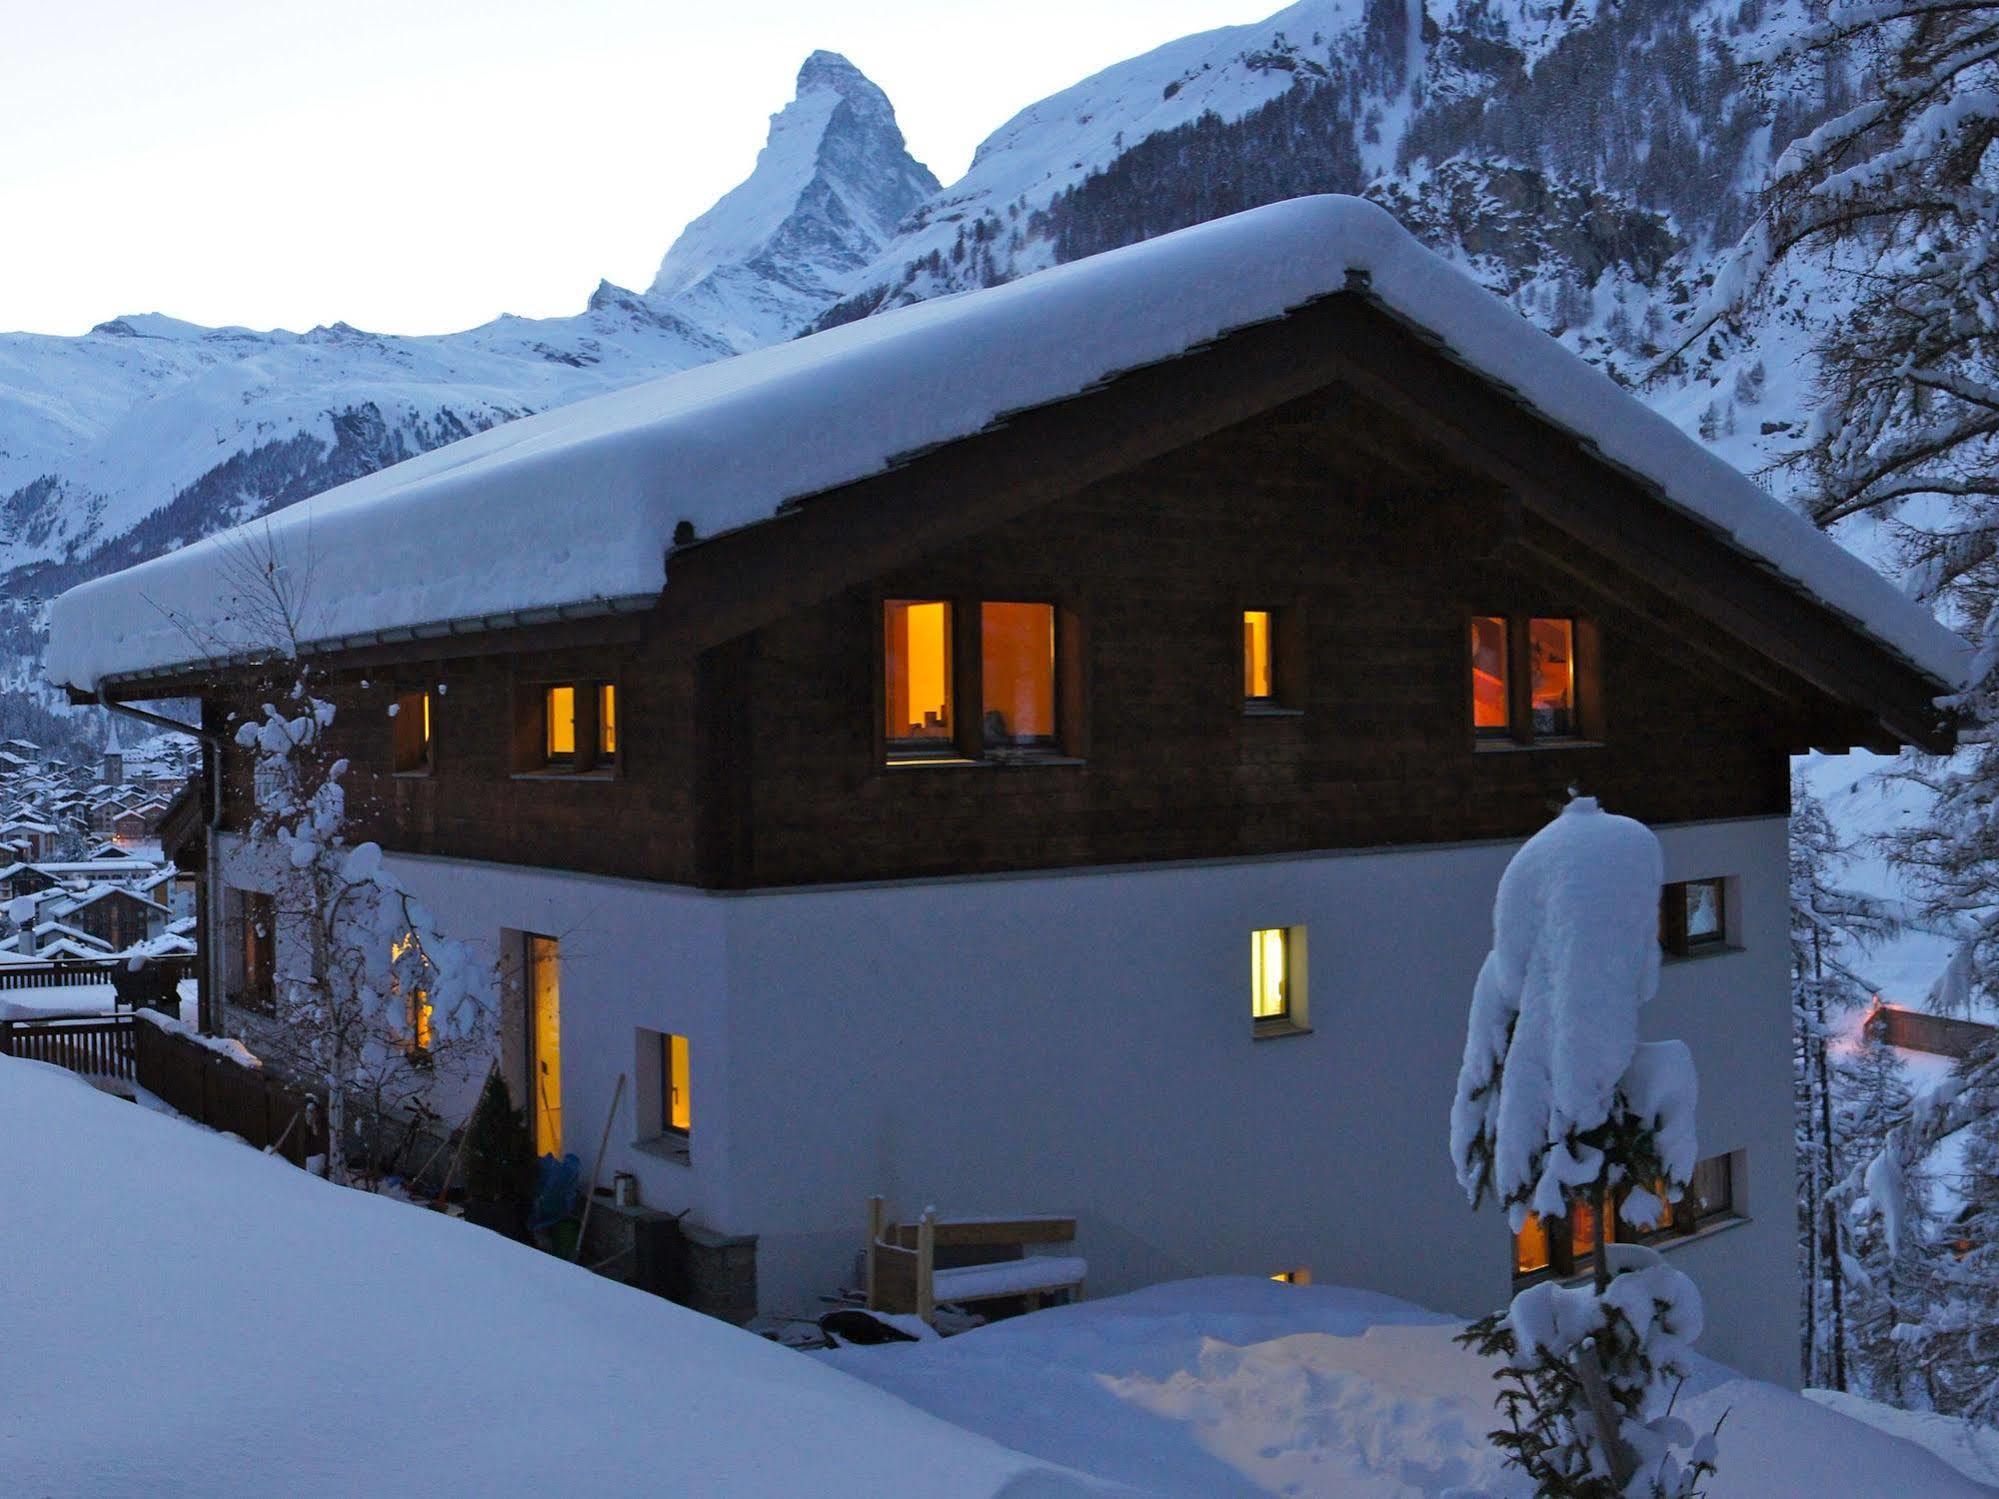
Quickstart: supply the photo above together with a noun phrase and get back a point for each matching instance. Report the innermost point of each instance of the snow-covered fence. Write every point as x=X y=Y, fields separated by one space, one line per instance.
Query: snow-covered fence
x=207 y=1081
x=93 y=1045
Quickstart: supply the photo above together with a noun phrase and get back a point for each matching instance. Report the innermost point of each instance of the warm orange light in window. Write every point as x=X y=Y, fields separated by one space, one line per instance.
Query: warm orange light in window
x=1256 y=673
x=1269 y=974
x=561 y=705
x=679 y=1105
x=1018 y=655
x=916 y=667
x=1582 y=1230
x=1302 y=1276
x=607 y=720
x=1530 y=1246
x=545 y=1043
x=1551 y=643
x=1489 y=707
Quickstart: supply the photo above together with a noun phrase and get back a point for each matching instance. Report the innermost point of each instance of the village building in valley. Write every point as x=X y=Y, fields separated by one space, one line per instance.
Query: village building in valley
x=1052 y=750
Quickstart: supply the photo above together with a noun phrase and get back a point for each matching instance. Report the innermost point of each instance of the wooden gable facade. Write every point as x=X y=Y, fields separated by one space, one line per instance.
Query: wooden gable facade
x=1331 y=468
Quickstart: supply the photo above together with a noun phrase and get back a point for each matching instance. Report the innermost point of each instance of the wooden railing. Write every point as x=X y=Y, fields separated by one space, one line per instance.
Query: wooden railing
x=94 y=1045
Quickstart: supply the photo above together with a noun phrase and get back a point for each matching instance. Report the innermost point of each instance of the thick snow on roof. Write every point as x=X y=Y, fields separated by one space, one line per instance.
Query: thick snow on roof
x=266 y=1314
x=578 y=506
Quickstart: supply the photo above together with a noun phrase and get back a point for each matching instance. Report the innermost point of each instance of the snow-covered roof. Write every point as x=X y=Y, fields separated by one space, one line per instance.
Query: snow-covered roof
x=575 y=509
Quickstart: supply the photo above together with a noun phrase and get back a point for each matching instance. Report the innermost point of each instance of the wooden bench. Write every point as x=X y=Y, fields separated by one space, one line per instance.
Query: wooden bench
x=989 y=1261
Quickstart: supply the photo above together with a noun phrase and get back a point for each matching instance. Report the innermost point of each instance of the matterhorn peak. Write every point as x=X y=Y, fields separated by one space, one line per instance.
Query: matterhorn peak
x=831 y=184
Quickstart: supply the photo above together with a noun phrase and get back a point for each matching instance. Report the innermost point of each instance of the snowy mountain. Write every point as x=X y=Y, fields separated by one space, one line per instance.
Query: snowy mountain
x=148 y=432
x=1583 y=159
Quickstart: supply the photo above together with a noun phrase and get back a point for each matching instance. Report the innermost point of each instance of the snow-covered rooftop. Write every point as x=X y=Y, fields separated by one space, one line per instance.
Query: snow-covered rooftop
x=576 y=508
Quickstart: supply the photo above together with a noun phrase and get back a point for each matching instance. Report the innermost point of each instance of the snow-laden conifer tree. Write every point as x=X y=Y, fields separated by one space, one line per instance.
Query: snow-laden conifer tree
x=1957 y=1340
x=1560 y=1106
x=1829 y=925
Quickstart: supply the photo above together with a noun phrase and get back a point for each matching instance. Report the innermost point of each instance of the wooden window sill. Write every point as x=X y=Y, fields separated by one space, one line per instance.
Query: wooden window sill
x=982 y=762
x=564 y=775
x=1254 y=709
x=1514 y=746
x=411 y=775
x=675 y=1148
x=1706 y=950
x=1277 y=1030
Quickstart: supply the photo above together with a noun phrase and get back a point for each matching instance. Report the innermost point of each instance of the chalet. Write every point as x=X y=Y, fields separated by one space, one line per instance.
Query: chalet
x=1055 y=748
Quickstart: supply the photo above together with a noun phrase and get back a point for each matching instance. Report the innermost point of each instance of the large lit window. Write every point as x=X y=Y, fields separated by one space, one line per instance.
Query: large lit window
x=1526 y=678
x=1277 y=979
x=1693 y=916
x=1017 y=663
x=411 y=978
x=1491 y=709
x=567 y=728
x=916 y=665
x=412 y=732
x=1259 y=674
x=1566 y=1246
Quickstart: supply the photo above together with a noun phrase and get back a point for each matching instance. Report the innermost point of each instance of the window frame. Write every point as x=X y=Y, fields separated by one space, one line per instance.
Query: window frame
x=533 y=755
x=1294 y=1019
x=1685 y=1219
x=1585 y=681
x=1285 y=648
x=1675 y=939
x=423 y=761
x=256 y=987
x=967 y=748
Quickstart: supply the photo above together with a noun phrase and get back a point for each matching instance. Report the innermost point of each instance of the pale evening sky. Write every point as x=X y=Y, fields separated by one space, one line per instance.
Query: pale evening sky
x=416 y=166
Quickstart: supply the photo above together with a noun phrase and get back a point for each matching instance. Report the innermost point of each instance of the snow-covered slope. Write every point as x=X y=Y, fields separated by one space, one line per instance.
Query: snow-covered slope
x=272 y=1334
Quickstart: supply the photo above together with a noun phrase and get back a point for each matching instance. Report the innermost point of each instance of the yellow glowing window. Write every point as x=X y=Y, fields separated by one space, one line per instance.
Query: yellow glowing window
x=417 y=1010
x=607 y=721
x=1259 y=682
x=1552 y=649
x=1017 y=655
x=1302 y=1276
x=1490 y=712
x=412 y=732
x=559 y=710
x=916 y=670
x=1270 y=974
x=1582 y=1231
x=677 y=1107
x=545 y=1042
x=1530 y=1246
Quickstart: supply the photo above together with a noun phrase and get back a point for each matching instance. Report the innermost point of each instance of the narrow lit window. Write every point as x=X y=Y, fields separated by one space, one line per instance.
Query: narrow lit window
x=411 y=732
x=1530 y=1246
x=916 y=672
x=1491 y=713
x=559 y=723
x=1693 y=916
x=607 y=721
x=1017 y=657
x=1259 y=678
x=1552 y=653
x=1270 y=976
x=676 y=1106
x=410 y=978
x=544 y=965
x=1302 y=1276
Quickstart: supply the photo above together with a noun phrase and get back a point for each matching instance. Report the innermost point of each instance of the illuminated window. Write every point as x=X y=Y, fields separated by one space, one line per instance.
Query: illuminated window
x=676 y=1106
x=1491 y=713
x=1566 y=1246
x=412 y=732
x=544 y=986
x=1552 y=651
x=559 y=723
x=410 y=977
x=916 y=671
x=1693 y=916
x=1277 y=979
x=1525 y=678
x=567 y=727
x=1017 y=663
x=256 y=965
x=1259 y=678
x=1302 y=1276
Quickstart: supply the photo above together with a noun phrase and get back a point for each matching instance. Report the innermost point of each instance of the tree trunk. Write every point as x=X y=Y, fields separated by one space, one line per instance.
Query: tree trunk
x=1589 y=1369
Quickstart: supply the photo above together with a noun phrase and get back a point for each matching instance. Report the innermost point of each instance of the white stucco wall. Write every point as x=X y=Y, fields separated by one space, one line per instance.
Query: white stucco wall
x=1080 y=1043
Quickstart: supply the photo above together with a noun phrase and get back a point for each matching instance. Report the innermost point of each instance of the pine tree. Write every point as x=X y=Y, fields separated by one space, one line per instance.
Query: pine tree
x=1888 y=1276
x=1828 y=925
x=1958 y=1337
